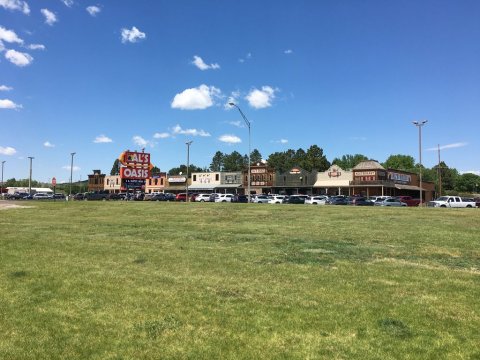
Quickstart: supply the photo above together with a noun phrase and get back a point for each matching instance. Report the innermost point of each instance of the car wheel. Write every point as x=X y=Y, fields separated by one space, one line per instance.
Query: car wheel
x=202 y=200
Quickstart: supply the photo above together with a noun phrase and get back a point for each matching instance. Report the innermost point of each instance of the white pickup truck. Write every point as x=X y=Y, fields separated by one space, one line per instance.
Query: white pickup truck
x=451 y=202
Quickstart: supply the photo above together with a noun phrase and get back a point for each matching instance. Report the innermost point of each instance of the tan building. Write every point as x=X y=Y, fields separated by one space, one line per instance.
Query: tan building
x=156 y=183
x=334 y=181
x=96 y=181
x=113 y=183
x=176 y=184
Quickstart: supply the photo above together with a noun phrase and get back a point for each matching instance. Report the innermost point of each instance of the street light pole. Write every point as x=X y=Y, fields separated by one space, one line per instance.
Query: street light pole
x=249 y=151
x=71 y=173
x=188 y=143
x=30 y=177
x=419 y=125
x=3 y=162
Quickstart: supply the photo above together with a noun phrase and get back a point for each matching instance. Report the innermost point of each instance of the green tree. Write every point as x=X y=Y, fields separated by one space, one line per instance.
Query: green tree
x=449 y=176
x=348 y=162
x=255 y=157
x=155 y=170
x=233 y=162
x=217 y=161
x=467 y=183
x=115 y=168
x=315 y=160
x=183 y=169
x=400 y=162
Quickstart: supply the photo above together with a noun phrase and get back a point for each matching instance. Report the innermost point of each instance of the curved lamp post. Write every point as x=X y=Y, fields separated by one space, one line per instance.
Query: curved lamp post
x=249 y=142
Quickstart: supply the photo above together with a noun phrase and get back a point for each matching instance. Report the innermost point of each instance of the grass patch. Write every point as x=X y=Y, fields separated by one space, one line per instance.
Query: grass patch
x=113 y=280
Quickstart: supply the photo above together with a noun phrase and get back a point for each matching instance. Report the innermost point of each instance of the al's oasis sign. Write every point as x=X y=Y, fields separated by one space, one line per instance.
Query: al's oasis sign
x=135 y=165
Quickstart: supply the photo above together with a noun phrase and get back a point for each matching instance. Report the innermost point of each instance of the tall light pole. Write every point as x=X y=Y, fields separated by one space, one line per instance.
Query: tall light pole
x=249 y=143
x=188 y=143
x=1 y=188
x=419 y=125
x=71 y=172
x=30 y=177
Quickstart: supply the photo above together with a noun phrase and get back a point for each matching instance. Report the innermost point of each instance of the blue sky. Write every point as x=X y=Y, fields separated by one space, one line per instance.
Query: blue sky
x=101 y=77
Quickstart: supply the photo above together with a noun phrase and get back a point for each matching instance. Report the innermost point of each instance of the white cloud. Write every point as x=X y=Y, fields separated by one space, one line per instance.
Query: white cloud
x=232 y=99
x=133 y=35
x=36 y=47
x=199 y=63
x=230 y=139
x=18 y=58
x=449 y=146
x=93 y=10
x=161 y=135
x=198 y=98
x=101 y=139
x=288 y=51
x=9 y=36
x=260 y=99
x=68 y=3
x=237 y=123
x=140 y=141
x=15 y=5
x=48 y=144
x=7 y=150
x=475 y=172
x=247 y=57
x=283 y=141
x=50 y=17
x=9 y=104
x=68 y=167
x=177 y=129
x=5 y=88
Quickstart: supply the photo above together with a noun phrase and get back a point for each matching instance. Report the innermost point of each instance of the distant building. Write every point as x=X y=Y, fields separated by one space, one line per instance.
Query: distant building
x=156 y=183
x=334 y=181
x=295 y=181
x=96 y=181
x=113 y=183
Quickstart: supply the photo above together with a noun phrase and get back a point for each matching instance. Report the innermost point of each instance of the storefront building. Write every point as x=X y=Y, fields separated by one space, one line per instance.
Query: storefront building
x=262 y=179
x=113 y=183
x=334 y=181
x=176 y=184
x=295 y=181
x=155 y=183
x=96 y=181
x=372 y=179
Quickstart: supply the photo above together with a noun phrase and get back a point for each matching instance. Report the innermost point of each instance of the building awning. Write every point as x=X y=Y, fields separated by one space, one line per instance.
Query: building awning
x=211 y=187
x=332 y=184
x=407 y=187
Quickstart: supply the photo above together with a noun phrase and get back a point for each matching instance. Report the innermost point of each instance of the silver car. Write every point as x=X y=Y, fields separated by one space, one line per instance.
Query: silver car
x=390 y=202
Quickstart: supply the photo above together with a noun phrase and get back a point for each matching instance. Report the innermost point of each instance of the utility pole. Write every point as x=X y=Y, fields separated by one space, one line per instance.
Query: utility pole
x=439 y=174
x=71 y=173
x=188 y=143
x=1 y=188
x=30 y=177
x=419 y=125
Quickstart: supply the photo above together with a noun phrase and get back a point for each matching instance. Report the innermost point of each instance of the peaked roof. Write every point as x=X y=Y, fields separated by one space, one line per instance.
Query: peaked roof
x=369 y=165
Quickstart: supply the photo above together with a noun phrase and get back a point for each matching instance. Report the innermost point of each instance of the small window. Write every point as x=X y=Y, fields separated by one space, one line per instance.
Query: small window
x=217 y=177
x=161 y=181
x=194 y=177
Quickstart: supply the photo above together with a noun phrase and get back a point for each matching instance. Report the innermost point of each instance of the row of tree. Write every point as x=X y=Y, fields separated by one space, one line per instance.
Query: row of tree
x=314 y=159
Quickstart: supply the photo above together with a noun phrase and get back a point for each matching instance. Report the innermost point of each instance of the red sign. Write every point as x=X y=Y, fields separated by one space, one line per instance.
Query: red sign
x=135 y=158
x=54 y=181
x=134 y=173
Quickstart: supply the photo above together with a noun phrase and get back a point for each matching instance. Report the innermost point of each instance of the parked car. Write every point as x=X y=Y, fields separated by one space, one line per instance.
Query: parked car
x=378 y=198
x=182 y=196
x=316 y=200
x=240 y=198
x=361 y=201
x=203 y=198
x=224 y=198
x=115 y=196
x=337 y=200
x=261 y=199
x=42 y=196
x=79 y=196
x=58 y=196
x=96 y=195
x=409 y=200
x=390 y=202
x=295 y=199
x=159 y=197
x=276 y=199
x=213 y=196
x=193 y=196
x=16 y=196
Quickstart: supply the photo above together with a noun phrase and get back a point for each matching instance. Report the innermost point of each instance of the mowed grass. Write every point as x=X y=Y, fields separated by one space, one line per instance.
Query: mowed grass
x=140 y=280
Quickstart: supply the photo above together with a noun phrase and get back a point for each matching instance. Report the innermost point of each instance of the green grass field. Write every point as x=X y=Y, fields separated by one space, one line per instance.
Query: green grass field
x=130 y=280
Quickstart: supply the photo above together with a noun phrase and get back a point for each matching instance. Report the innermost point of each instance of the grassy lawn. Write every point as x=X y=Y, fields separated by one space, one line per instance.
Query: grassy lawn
x=131 y=280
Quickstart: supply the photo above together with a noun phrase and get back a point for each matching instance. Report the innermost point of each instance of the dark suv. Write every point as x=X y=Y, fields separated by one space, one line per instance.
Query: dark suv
x=96 y=195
